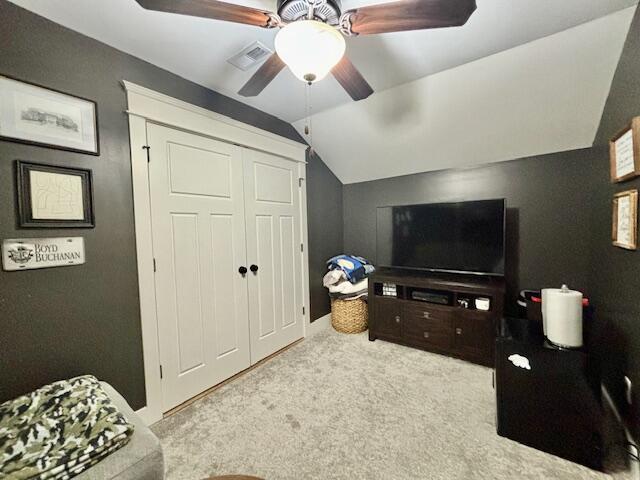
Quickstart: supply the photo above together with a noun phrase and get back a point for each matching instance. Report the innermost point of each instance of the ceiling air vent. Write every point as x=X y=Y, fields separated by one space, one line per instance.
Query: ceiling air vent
x=250 y=56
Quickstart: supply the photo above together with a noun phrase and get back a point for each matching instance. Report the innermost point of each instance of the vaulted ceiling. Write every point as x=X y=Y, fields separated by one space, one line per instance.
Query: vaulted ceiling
x=542 y=97
x=197 y=49
x=521 y=78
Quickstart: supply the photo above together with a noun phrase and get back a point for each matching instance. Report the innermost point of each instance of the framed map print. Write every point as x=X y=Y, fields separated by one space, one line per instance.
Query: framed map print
x=625 y=220
x=41 y=116
x=54 y=197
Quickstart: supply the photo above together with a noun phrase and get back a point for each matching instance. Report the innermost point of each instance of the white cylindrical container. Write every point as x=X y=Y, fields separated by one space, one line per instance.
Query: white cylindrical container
x=544 y=313
x=562 y=315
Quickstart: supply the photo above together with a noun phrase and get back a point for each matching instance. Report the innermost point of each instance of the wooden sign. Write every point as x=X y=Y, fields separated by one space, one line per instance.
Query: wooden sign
x=625 y=220
x=624 y=152
x=31 y=253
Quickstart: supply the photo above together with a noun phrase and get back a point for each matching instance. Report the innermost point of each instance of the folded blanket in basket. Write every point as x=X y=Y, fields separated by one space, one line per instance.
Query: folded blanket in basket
x=355 y=268
x=350 y=288
x=334 y=277
x=59 y=430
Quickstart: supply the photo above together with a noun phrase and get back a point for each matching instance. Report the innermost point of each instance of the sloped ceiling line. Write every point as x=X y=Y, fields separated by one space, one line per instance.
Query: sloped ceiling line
x=543 y=97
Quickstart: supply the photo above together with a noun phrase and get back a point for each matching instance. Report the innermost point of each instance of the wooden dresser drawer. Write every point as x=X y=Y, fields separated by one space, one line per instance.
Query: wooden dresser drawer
x=427 y=311
x=431 y=332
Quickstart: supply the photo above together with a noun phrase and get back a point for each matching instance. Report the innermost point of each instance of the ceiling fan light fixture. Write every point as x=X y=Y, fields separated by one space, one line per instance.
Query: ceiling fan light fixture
x=310 y=48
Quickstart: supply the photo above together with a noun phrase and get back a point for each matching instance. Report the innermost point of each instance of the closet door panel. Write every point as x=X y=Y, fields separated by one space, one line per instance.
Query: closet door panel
x=198 y=224
x=272 y=206
x=189 y=308
x=265 y=284
x=228 y=295
x=288 y=266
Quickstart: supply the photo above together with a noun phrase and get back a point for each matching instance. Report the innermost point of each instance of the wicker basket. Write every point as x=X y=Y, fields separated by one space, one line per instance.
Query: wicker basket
x=349 y=316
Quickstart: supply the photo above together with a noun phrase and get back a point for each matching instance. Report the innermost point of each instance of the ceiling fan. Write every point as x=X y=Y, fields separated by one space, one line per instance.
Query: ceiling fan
x=311 y=37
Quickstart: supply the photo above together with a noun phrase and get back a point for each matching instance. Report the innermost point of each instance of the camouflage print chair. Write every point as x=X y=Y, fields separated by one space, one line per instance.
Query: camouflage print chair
x=78 y=428
x=140 y=459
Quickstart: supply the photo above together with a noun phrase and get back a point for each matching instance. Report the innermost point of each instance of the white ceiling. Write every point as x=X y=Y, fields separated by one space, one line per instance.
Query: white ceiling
x=543 y=97
x=197 y=49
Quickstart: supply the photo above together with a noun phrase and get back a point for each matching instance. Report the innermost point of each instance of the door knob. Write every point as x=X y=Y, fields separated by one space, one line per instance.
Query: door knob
x=242 y=270
x=398 y=319
x=253 y=268
x=458 y=331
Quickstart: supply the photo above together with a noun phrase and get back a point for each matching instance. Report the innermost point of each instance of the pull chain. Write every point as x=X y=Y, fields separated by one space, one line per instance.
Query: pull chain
x=308 y=130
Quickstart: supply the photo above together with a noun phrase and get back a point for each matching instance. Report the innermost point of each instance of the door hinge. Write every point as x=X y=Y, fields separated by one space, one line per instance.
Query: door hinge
x=302 y=247
x=303 y=310
x=300 y=182
x=154 y=264
x=161 y=372
x=147 y=148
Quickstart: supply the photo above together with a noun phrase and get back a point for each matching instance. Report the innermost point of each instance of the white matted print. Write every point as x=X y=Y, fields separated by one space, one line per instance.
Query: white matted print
x=56 y=196
x=624 y=152
x=625 y=220
x=36 y=115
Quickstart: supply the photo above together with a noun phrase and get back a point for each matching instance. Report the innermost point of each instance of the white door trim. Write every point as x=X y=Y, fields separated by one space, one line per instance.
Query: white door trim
x=302 y=178
x=144 y=106
x=166 y=110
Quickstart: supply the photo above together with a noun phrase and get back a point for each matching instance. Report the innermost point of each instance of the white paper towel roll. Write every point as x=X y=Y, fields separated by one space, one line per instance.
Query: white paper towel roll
x=544 y=312
x=562 y=316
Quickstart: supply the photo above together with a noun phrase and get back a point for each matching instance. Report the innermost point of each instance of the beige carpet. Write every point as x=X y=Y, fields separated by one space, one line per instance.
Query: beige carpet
x=341 y=407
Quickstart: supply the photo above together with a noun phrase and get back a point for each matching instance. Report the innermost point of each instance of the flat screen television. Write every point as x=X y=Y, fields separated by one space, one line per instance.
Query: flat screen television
x=462 y=237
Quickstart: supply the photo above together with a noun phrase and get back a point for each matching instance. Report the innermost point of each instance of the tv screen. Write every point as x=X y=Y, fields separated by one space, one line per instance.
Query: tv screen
x=465 y=237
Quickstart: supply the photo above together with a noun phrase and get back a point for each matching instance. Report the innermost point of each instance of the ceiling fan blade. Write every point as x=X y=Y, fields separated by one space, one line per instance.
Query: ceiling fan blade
x=409 y=15
x=263 y=76
x=228 y=12
x=351 y=79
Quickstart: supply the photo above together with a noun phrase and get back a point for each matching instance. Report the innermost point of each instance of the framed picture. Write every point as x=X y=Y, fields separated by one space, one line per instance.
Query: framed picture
x=54 y=197
x=36 y=115
x=625 y=220
x=624 y=152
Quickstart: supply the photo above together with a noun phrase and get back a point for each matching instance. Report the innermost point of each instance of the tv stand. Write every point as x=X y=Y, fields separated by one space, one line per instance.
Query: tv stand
x=442 y=313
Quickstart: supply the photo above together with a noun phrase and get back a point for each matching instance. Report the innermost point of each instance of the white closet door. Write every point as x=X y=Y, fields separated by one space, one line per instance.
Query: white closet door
x=272 y=209
x=199 y=243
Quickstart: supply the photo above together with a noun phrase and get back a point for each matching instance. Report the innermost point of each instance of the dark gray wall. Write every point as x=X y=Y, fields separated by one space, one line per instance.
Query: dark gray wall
x=67 y=321
x=324 y=202
x=615 y=272
x=546 y=213
x=558 y=226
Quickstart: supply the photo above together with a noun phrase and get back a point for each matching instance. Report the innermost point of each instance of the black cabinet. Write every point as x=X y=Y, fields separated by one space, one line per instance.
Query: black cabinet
x=547 y=398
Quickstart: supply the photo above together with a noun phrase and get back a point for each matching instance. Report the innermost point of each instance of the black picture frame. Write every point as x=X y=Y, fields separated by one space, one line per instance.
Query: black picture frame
x=25 y=208
x=95 y=151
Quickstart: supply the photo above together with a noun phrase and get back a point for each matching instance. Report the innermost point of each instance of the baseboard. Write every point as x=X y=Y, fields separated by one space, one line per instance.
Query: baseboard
x=147 y=416
x=634 y=465
x=319 y=325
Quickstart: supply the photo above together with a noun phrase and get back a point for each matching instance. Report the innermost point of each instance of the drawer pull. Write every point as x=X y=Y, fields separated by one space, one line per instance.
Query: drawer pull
x=426 y=314
x=397 y=318
x=458 y=331
x=426 y=334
